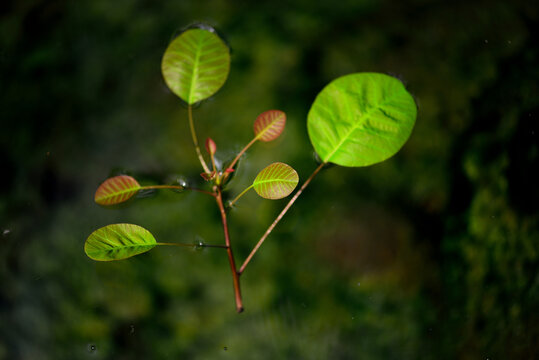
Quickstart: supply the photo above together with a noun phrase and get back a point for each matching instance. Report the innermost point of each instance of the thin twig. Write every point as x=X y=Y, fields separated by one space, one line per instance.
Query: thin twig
x=242 y=152
x=176 y=187
x=240 y=195
x=280 y=216
x=193 y=245
x=233 y=163
x=235 y=274
x=195 y=140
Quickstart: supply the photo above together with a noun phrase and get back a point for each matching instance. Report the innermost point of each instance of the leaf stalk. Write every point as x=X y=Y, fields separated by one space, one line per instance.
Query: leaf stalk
x=176 y=187
x=236 y=159
x=240 y=195
x=192 y=245
x=195 y=140
x=279 y=217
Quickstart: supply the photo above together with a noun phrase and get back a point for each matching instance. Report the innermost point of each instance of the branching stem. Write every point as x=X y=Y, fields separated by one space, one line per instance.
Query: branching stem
x=279 y=217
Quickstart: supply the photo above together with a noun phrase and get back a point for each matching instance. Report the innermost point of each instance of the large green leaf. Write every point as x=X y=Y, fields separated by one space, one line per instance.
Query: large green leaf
x=361 y=119
x=118 y=241
x=276 y=181
x=116 y=190
x=196 y=64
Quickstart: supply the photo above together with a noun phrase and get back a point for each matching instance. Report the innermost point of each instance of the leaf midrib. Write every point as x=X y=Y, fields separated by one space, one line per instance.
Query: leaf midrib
x=264 y=130
x=119 y=193
x=123 y=247
x=195 y=70
x=360 y=122
x=267 y=181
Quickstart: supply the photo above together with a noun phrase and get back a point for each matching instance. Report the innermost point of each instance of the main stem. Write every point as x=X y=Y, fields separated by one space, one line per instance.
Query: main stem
x=235 y=274
x=195 y=140
x=280 y=216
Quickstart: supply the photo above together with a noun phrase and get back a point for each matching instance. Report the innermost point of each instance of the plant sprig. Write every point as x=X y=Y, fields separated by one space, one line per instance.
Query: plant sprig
x=357 y=120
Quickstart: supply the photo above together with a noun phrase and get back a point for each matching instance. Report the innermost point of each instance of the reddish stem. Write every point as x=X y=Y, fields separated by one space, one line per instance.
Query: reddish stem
x=233 y=163
x=235 y=274
x=279 y=217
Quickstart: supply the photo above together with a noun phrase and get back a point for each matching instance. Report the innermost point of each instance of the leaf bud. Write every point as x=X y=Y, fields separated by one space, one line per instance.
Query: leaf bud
x=211 y=148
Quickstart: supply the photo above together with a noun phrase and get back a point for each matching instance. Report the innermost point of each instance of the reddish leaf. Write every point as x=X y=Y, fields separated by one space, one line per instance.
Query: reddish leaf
x=116 y=190
x=269 y=125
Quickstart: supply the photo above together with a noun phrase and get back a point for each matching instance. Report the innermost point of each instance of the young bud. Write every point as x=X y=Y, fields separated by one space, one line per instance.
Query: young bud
x=211 y=148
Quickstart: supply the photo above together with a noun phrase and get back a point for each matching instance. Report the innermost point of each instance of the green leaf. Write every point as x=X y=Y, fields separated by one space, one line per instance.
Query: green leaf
x=269 y=125
x=361 y=119
x=196 y=64
x=116 y=190
x=118 y=242
x=276 y=181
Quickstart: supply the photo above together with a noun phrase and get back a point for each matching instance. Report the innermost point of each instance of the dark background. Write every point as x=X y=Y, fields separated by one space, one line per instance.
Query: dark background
x=432 y=254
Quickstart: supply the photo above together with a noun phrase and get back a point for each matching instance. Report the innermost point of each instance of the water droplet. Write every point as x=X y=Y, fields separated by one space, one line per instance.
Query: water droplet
x=199 y=244
x=181 y=181
x=92 y=348
x=132 y=329
x=353 y=318
x=225 y=348
x=486 y=41
x=509 y=42
x=358 y=284
x=6 y=232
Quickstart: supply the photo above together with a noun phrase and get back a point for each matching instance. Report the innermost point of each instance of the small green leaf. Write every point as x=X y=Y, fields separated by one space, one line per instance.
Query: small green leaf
x=118 y=242
x=361 y=119
x=269 y=125
x=276 y=181
x=116 y=190
x=196 y=64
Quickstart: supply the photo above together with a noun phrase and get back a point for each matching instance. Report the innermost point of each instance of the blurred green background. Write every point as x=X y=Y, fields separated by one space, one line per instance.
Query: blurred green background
x=432 y=254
